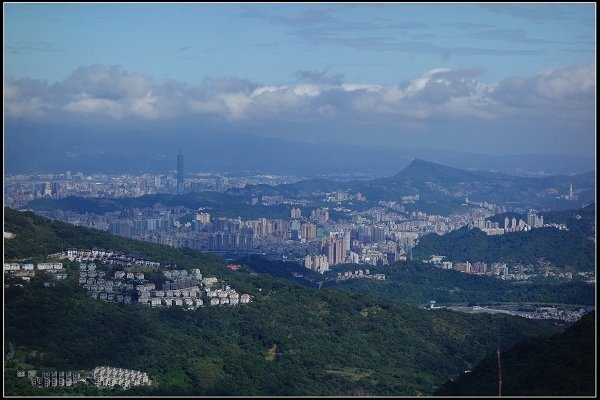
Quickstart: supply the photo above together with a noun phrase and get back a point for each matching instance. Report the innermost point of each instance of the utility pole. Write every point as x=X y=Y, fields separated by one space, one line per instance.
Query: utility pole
x=499 y=370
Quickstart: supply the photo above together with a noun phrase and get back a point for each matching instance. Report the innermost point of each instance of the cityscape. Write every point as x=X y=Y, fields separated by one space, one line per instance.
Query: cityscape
x=299 y=200
x=378 y=235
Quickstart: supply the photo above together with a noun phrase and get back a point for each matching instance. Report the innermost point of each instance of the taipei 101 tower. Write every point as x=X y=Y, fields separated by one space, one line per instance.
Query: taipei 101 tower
x=180 y=172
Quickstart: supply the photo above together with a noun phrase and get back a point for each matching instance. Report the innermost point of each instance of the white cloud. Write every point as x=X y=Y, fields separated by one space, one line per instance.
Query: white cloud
x=559 y=92
x=96 y=107
x=98 y=92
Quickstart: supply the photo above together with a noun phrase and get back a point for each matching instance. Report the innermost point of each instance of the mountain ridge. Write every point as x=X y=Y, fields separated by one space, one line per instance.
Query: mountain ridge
x=31 y=147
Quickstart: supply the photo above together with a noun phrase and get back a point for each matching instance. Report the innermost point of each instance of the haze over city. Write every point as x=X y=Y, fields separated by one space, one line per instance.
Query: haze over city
x=307 y=199
x=496 y=79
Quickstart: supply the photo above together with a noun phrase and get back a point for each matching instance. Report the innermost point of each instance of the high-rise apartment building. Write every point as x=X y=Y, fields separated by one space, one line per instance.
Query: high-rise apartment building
x=180 y=172
x=333 y=247
x=309 y=231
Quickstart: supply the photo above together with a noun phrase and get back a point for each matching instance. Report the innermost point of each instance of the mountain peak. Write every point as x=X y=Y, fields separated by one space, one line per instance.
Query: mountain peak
x=423 y=170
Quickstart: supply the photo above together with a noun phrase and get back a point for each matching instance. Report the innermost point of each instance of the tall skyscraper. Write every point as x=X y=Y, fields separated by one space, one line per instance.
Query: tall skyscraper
x=571 y=192
x=296 y=213
x=333 y=248
x=180 y=172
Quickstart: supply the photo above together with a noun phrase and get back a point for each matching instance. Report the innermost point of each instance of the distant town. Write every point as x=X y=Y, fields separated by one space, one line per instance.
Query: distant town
x=363 y=232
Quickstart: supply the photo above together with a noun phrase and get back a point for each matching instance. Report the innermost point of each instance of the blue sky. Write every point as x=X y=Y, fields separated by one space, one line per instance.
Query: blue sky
x=407 y=72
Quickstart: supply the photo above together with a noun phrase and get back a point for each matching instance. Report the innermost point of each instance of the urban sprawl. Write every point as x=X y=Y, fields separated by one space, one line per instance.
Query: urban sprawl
x=378 y=234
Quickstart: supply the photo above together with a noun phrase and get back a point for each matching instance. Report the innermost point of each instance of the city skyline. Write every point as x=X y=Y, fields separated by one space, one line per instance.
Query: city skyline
x=486 y=78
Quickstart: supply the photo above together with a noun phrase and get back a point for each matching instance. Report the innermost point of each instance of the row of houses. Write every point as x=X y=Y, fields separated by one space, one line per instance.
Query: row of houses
x=51 y=379
x=100 y=376
x=28 y=271
x=108 y=257
x=181 y=279
x=32 y=267
x=182 y=273
x=188 y=302
x=189 y=297
x=137 y=276
x=233 y=300
x=341 y=276
x=193 y=291
x=126 y=378
x=110 y=297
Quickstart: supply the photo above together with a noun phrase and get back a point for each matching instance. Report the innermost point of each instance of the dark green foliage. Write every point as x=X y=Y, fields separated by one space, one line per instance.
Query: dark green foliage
x=417 y=283
x=279 y=269
x=585 y=225
x=562 y=365
x=291 y=340
x=325 y=341
x=561 y=248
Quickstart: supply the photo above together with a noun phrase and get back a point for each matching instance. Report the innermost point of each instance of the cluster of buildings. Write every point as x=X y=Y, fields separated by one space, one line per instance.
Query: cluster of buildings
x=360 y=274
x=118 y=290
x=513 y=225
x=100 y=377
x=564 y=313
x=478 y=267
x=20 y=189
x=376 y=236
x=501 y=270
x=180 y=289
x=332 y=251
x=226 y=295
x=108 y=257
x=126 y=378
x=28 y=270
x=51 y=379
x=510 y=225
x=188 y=290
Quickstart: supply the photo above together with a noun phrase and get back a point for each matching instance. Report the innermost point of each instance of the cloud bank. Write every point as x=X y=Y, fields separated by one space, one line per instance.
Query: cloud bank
x=551 y=112
x=111 y=94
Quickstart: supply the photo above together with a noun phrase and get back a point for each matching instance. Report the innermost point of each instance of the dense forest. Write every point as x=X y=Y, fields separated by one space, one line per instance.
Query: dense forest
x=320 y=341
x=417 y=283
x=561 y=365
x=561 y=248
x=291 y=340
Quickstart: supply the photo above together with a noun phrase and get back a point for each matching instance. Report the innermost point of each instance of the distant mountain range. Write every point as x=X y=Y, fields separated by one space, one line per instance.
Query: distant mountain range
x=41 y=148
x=441 y=190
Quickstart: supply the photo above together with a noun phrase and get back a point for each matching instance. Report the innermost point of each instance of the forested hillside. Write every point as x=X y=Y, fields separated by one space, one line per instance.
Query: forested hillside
x=561 y=248
x=417 y=283
x=562 y=365
x=291 y=340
